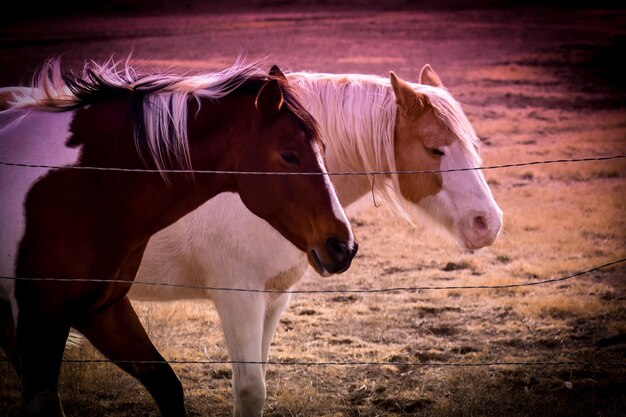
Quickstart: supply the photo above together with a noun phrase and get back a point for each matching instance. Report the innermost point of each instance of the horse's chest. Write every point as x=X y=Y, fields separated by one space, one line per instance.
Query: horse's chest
x=286 y=279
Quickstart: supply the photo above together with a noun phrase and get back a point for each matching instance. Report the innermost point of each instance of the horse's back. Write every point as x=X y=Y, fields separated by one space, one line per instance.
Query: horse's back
x=32 y=136
x=9 y=94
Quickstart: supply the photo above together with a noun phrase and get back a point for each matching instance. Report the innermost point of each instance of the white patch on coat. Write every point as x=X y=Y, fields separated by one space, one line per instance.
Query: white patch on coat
x=464 y=194
x=184 y=253
x=338 y=210
x=26 y=137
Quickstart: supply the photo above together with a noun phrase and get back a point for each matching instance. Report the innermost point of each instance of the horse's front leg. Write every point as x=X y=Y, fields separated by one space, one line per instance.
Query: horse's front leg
x=7 y=334
x=274 y=310
x=40 y=345
x=242 y=316
x=117 y=333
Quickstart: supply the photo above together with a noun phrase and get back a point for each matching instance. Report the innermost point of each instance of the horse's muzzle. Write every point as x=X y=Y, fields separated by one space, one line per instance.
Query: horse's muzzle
x=339 y=255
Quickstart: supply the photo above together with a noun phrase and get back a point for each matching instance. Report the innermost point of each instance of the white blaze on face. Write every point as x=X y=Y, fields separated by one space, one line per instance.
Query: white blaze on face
x=27 y=137
x=338 y=210
x=465 y=205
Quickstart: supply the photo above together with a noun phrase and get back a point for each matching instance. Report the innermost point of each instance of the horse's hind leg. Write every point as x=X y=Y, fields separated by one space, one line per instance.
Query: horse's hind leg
x=117 y=333
x=40 y=344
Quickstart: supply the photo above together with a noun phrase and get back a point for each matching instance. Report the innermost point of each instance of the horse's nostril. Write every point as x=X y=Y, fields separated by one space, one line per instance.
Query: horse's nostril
x=479 y=223
x=337 y=249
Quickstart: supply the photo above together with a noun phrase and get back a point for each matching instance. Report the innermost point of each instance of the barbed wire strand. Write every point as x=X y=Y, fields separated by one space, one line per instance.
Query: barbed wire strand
x=349 y=363
x=329 y=291
x=339 y=173
x=380 y=290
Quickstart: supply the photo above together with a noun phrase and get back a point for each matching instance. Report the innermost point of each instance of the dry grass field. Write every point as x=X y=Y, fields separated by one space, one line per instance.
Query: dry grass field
x=537 y=85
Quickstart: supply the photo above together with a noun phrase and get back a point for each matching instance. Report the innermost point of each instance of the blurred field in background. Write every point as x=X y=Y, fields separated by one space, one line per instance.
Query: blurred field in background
x=537 y=85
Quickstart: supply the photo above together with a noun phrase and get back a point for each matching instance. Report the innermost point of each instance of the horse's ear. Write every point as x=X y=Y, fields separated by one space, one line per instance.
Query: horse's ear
x=269 y=100
x=275 y=72
x=428 y=76
x=406 y=97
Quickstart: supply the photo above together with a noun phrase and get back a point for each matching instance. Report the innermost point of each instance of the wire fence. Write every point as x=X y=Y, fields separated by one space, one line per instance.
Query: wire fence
x=340 y=173
x=324 y=291
x=354 y=363
x=340 y=291
x=359 y=363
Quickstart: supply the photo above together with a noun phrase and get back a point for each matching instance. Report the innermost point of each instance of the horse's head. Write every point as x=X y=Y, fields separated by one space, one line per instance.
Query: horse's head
x=433 y=133
x=303 y=208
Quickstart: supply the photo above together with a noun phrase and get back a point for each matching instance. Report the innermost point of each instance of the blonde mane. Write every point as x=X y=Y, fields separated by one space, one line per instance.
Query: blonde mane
x=357 y=115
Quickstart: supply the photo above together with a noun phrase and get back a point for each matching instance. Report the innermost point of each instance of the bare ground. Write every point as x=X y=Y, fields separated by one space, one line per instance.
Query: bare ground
x=537 y=85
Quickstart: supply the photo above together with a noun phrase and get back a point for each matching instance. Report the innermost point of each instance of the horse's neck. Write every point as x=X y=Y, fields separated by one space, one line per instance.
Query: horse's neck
x=356 y=119
x=148 y=202
x=185 y=193
x=350 y=188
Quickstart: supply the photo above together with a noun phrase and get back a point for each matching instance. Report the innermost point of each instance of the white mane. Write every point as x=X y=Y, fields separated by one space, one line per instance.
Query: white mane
x=357 y=115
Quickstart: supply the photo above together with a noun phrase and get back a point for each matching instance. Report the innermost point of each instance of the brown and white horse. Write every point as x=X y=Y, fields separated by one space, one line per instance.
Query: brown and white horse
x=69 y=224
x=369 y=124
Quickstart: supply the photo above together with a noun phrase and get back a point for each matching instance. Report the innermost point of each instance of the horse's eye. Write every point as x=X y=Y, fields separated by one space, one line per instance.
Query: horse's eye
x=290 y=157
x=435 y=151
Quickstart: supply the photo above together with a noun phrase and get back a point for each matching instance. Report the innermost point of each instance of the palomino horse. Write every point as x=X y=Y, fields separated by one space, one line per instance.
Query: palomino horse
x=69 y=224
x=369 y=124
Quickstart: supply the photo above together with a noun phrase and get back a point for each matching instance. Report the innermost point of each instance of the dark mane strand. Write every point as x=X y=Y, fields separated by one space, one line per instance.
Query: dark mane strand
x=92 y=86
x=304 y=119
x=252 y=85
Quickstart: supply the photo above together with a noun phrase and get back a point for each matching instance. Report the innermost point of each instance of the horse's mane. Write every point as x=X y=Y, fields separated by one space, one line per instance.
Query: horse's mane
x=357 y=116
x=160 y=101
